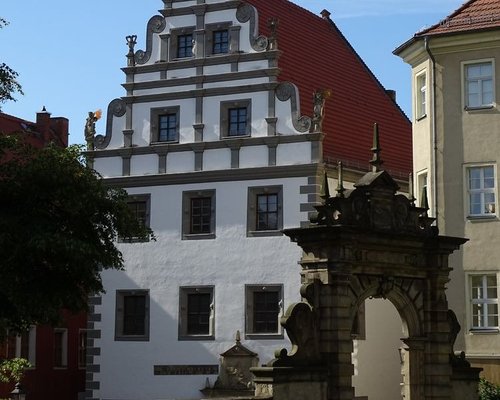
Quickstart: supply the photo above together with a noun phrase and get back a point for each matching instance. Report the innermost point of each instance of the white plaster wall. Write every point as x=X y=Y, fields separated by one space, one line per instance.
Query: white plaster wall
x=170 y=89
x=180 y=21
x=146 y=77
x=216 y=159
x=252 y=65
x=228 y=262
x=117 y=127
x=221 y=16
x=189 y=3
x=254 y=156
x=284 y=125
x=236 y=83
x=293 y=153
x=109 y=167
x=216 y=69
x=144 y=164
x=180 y=162
x=181 y=73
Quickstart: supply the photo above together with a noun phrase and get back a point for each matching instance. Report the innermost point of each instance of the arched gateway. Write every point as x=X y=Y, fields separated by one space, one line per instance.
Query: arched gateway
x=369 y=242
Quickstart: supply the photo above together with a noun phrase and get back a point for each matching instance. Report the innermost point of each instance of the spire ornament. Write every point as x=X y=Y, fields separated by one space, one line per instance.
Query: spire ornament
x=131 y=42
x=273 y=24
x=325 y=190
x=340 y=178
x=376 y=161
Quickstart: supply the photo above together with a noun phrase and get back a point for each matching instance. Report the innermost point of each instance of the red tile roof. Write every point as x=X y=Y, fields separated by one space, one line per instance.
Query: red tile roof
x=316 y=55
x=473 y=15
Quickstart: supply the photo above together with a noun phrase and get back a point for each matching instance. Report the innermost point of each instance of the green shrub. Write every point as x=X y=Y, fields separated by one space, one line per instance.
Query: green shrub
x=13 y=370
x=488 y=390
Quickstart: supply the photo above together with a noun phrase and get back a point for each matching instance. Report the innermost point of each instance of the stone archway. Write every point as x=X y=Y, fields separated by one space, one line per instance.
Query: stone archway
x=369 y=241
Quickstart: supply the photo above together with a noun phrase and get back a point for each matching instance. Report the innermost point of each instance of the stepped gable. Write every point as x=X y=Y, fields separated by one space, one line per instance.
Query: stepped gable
x=317 y=55
x=473 y=15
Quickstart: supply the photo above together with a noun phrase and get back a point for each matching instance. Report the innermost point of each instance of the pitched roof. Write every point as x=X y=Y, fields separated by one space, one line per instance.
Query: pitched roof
x=473 y=15
x=317 y=56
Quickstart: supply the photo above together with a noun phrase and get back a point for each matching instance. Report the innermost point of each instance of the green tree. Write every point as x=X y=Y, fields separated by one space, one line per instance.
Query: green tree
x=488 y=390
x=58 y=228
x=9 y=85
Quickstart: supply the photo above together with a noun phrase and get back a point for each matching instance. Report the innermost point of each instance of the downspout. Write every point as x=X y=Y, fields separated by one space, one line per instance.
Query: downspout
x=433 y=130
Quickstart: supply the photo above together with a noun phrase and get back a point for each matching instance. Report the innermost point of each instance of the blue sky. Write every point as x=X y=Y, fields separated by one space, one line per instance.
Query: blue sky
x=69 y=54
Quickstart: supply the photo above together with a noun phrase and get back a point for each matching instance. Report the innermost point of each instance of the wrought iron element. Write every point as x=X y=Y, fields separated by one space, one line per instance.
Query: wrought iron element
x=155 y=25
x=273 y=24
x=319 y=99
x=288 y=91
x=245 y=13
x=131 y=42
x=116 y=108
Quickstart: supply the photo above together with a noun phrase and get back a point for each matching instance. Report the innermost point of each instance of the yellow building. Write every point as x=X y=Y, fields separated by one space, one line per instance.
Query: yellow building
x=456 y=149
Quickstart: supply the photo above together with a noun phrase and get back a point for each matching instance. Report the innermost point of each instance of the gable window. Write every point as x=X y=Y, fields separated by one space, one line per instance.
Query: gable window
x=132 y=315
x=139 y=206
x=484 y=301
x=265 y=211
x=184 y=46
x=198 y=216
x=264 y=305
x=179 y=44
x=479 y=85
x=165 y=124
x=235 y=118
x=60 y=348
x=421 y=96
x=196 y=314
x=220 y=42
x=481 y=191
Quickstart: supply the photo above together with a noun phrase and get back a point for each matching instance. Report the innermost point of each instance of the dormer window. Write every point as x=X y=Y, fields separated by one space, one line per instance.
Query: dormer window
x=220 y=42
x=184 y=46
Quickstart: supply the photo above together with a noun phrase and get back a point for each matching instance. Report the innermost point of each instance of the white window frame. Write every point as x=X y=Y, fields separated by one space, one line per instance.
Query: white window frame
x=184 y=291
x=31 y=346
x=465 y=84
x=421 y=95
x=249 y=312
x=422 y=182
x=484 y=301
x=468 y=192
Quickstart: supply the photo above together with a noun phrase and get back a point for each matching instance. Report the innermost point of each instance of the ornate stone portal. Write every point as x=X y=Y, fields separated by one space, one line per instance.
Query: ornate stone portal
x=369 y=242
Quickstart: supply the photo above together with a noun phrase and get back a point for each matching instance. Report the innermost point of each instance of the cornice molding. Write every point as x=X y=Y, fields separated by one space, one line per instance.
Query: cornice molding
x=189 y=10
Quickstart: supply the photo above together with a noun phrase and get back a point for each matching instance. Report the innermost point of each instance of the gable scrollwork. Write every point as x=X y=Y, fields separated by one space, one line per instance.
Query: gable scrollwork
x=156 y=24
x=116 y=108
x=288 y=91
x=245 y=13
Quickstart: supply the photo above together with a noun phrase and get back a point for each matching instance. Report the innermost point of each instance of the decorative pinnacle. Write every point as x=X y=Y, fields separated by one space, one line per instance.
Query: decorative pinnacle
x=424 y=201
x=238 y=337
x=325 y=190
x=376 y=161
x=131 y=42
x=411 y=191
x=340 y=178
x=273 y=24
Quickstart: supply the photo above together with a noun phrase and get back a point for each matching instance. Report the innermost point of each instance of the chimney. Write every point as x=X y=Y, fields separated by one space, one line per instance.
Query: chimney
x=392 y=94
x=60 y=127
x=43 y=124
x=325 y=14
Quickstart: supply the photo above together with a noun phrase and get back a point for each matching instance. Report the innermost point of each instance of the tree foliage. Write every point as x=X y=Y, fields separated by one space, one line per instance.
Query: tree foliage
x=488 y=390
x=9 y=85
x=58 y=228
x=12 y=371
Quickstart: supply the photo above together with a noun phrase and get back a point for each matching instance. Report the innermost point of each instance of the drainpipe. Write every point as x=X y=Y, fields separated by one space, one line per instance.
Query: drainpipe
x=433 y=131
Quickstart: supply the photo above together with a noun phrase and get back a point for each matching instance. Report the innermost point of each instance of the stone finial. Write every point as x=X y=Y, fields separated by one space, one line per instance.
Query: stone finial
x=238 y=337
x=340 y=179
x=411 y=190
x=376 y=161
x=325 y=14
x=424 y=201
x=319 y=99
x=131 y=42
x=273 y=24
x=325 y=190
x=89 y=130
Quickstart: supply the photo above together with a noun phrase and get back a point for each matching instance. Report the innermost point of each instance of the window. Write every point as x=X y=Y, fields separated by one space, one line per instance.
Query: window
x=421 y=96
x=235 y=118
x=198 y=216
x=139 y=205
x=82 y=348
x=184 y=46
x=479 y=87
x=132 y=315
x=484 y=301
x=165 y=124
x=264 y=305
x=220 y=42
x=265 y=211
x=21 y=345
x=60 y=348
x=196 y=314
x=481 y=191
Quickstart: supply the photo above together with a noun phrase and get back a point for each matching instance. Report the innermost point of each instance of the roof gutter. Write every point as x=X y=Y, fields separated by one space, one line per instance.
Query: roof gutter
x=433 y=131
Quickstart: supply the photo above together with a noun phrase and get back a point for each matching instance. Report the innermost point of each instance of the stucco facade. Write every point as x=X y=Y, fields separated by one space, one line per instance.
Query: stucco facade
x=456 y=148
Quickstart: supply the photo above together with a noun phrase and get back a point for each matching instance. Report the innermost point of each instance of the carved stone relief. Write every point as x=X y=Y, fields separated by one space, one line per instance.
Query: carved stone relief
x=288 y=91
x=155 y=25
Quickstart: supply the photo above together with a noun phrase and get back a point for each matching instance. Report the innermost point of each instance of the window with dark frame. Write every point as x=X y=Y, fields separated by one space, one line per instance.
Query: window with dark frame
x=184 y=46
x=134 y=315
x=60 y=348
x=167 y=128
x=237 y=118
x=201 y=215
x=198 y=313
x=139 y=206
x=267 y=212
x=265 y=311
x=220 y=42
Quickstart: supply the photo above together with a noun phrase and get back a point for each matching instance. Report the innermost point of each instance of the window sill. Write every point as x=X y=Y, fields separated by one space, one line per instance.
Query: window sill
x=196 y=337
x=484 y=331
x=264 y=336
x=198 y=236
x=229 y=137
x=160 y=142
x=482 y=218
x=264 y=233
x=131 y=338
x=479 y=108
